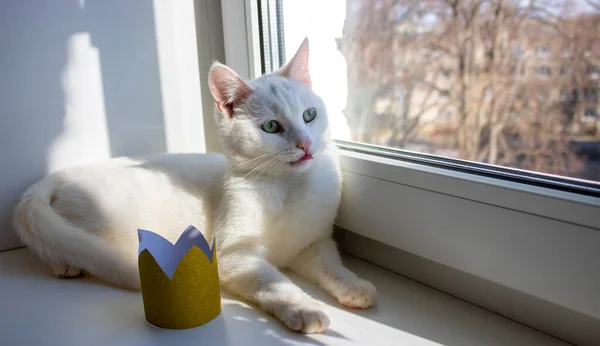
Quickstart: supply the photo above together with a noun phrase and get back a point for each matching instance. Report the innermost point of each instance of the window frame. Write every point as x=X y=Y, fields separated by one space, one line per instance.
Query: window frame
x=377 y=189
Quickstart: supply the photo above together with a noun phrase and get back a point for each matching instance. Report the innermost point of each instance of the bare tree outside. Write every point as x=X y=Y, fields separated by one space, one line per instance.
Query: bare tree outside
x=505 y=82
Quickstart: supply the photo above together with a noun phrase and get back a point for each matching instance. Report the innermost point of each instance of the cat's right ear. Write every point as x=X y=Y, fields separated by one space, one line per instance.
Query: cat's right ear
x=227 y=88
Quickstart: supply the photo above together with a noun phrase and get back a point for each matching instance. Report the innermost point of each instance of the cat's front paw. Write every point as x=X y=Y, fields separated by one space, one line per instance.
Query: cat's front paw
x=357 y=294
x=305 y=317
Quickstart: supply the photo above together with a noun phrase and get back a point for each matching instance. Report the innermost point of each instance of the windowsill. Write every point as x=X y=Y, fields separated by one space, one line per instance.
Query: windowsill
x=38 y=309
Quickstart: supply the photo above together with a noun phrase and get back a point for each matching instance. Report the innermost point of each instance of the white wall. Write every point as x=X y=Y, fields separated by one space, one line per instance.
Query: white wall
x=80 y=81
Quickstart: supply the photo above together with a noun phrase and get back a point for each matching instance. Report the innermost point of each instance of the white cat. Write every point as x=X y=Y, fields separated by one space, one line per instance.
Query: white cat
x=270 y=203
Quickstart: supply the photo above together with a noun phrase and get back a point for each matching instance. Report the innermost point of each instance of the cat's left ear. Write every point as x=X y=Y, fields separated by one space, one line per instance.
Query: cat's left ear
x=297 y=67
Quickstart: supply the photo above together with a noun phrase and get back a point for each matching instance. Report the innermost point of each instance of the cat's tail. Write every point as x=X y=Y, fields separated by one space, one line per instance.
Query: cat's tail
x=62 y=245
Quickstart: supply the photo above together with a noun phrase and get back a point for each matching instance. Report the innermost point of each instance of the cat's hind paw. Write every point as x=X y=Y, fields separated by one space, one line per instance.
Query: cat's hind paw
x=66 y=272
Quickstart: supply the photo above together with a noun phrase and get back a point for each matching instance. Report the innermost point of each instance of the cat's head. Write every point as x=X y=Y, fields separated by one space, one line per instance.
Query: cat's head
x=274 y=123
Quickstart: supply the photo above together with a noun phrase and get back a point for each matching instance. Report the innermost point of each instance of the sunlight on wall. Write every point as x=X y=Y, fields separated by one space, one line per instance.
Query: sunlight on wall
x=179 y=75
x=85 y=137
x=322 y=22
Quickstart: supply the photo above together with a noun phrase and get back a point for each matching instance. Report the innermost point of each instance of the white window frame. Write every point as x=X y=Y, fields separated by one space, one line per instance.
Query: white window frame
x=541 y=242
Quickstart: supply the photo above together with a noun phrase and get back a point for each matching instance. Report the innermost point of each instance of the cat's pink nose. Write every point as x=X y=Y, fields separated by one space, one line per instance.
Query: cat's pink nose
x=304 y=144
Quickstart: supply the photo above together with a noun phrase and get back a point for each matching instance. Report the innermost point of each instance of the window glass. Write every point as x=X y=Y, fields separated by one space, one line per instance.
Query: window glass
x=509 y=83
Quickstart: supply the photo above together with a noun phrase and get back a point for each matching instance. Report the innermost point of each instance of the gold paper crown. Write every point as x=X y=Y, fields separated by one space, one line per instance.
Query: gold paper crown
x=180 y=282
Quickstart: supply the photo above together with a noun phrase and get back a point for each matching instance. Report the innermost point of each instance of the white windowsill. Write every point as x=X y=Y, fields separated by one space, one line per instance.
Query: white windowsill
x=38 y=309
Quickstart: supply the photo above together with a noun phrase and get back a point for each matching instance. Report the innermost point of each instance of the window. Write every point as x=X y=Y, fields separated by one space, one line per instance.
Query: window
x=460 y=174
x=593 y=72
x=574 y=96
x=543 y=71
x=542 y=52
x=590 y=94
x=590 y=114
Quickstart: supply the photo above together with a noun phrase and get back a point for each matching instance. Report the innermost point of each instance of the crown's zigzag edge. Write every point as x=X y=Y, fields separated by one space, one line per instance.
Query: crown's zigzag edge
x=168 y=255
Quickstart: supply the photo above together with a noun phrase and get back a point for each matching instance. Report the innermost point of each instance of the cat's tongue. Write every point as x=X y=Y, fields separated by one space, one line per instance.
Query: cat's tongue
x=305 y=158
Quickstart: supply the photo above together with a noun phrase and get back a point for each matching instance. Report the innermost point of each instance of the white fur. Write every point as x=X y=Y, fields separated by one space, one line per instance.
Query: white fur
x=265 y=212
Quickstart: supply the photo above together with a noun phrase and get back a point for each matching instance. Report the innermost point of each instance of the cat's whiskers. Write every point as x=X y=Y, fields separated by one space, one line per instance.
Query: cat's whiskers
x=272 y=172
x=278 y=164
x=260 y=170
x=257 y=168
x=261 y=157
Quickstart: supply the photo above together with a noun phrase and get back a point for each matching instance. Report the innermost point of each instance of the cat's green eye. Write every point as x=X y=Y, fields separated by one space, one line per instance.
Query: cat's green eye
x=309 y=115
x=271 y=126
